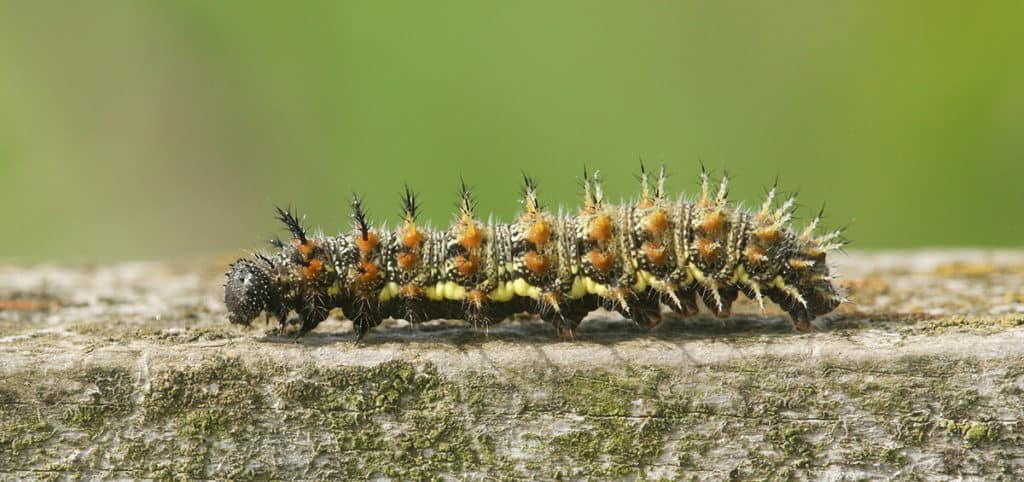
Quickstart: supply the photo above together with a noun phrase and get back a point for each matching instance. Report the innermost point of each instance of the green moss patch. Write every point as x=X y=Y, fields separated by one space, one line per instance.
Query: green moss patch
x=760 y=417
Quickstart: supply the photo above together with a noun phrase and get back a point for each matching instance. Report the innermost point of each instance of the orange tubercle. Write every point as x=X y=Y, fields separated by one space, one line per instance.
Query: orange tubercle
x=767 y=234
x=411 y=291
x=655 y=252
x=305 y=248
x=536 y=262
x=411 y=236
x=369 y=271
x=657 y=222
x=476 y=297
x=467 y=265
x=312 y=269
x=754 y=254
x=471 y=237
x=539 y=233
x=551 y=299
x=407 y=260
x=707 y=248
x=366 y=244
x=601 y=228
x=713 y=222
x=600 y=260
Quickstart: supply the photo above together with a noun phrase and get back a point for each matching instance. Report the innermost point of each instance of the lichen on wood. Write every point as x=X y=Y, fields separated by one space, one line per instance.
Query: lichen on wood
x=131 y=371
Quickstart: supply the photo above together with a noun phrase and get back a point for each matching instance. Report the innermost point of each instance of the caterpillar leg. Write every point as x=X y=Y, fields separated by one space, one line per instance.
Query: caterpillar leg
x=480 y=312
x=362 y=329
x=646 y=313
x=796 y=307
x=307 y=326
x=363 y=321
x=719 y=301
x=568 y=327
x=411 y=312
x=565 y=326
x=480 y=316
x=803 y=312
x=309 y=319
x=282 y=320
x=364 y=316
x=568 y=319
x=687 y=302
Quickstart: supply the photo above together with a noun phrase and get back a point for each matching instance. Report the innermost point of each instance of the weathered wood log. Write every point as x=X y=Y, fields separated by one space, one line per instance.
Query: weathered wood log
x=131 y=371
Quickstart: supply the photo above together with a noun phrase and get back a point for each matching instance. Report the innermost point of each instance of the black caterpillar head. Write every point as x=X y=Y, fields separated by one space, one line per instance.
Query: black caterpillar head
x=248 y=292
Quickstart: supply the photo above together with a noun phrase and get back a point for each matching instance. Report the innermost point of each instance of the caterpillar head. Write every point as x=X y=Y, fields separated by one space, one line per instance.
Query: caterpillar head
x=249 y=291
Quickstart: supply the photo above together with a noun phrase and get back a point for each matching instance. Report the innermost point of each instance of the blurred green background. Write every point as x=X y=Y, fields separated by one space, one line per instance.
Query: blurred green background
x=154 y=129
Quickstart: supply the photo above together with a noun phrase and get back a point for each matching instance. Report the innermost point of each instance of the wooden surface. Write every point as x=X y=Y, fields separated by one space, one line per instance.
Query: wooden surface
x=131 y=371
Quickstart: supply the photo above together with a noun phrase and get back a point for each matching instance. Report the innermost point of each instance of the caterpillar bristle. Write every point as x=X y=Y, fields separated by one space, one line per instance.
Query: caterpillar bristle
x=262 y=257
x=755 y=289
x=598 y=189
x=662 y=177
x=723 y=190
x=466 y=202
x=768 y=201
x=530 y=195
x=645 y=191
x=813 y=224
x=704 y=183
x=410 y=205
x=588 y=195
x=632 y=257
x=359 y=217
x=292 y=222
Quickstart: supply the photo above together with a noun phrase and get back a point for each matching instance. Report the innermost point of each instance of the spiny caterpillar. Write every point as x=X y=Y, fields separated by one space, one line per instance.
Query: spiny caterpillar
x=633 y=258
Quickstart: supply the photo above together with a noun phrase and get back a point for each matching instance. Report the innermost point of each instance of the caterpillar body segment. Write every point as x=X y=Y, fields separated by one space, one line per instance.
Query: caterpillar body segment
x=633 y=258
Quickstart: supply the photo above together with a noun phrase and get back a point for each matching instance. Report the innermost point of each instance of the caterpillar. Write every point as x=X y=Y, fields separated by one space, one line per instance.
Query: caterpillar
x=634 y=258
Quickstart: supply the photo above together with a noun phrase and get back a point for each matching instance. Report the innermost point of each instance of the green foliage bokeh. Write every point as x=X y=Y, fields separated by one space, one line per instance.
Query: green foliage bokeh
x=154 y=129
